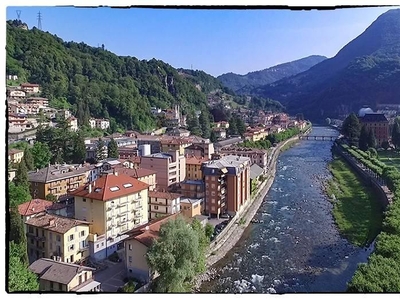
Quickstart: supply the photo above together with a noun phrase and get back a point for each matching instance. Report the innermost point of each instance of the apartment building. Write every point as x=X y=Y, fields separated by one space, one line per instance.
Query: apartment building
x=64 y=277
x=15 y=155
x=193 y=167
x=163 y=203
x=227 y=185
x=53 y=236
x=30 y=88
x=379 y=125
x=200 y=147
x=191 y=207
x=257 y=156
x=141 y=174
x=170 y=167
x=192 y=188
x=114 y=204
x=58 y=180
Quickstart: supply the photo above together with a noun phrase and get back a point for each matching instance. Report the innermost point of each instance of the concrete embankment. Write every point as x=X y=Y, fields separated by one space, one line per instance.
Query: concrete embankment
x=231 y=234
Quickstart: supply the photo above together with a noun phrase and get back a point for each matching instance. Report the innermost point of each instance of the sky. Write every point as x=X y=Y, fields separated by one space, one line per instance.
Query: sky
x=215 y=41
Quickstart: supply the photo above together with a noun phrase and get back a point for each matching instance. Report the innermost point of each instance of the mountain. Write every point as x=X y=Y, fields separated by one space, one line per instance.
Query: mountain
x=95 y=82
x=364 y=72
x=243 y=83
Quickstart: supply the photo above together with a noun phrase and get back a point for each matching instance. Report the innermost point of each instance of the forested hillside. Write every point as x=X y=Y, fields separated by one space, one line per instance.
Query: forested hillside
x=96 y=82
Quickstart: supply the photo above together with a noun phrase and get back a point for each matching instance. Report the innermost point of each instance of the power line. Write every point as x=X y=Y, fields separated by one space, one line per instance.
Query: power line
x=39 y=21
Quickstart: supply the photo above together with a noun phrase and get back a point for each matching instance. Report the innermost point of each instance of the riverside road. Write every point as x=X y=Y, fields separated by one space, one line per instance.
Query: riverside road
x=296 y=247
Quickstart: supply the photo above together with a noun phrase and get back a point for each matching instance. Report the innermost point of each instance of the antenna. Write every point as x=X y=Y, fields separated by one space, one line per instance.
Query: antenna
x=19 y=15
x=39 y=21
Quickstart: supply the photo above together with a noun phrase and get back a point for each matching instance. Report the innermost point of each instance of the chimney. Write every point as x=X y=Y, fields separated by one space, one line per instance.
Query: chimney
x=90 y=188
x=52 y=222
x=147 y=228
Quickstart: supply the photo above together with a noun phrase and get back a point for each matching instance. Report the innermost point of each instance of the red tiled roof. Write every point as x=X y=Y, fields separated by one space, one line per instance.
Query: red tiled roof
x=14 y=151
x=193 y=160
x=29 y=84
x=164 y=195
x=54 y=222
x=33 y=207
x=102 y=188
x=135 y=173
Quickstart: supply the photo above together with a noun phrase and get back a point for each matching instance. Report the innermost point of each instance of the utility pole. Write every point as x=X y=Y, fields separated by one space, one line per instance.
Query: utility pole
x=19 y=15
x=39 y=21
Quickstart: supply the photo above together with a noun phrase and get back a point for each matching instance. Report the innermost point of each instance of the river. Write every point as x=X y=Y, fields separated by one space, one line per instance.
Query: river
x=297 y=247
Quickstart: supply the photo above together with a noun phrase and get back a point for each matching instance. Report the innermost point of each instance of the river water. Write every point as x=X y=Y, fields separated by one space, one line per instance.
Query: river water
x=297 y=247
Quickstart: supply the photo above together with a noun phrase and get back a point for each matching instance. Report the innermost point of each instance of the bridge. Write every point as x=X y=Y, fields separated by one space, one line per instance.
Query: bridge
x=318 y=137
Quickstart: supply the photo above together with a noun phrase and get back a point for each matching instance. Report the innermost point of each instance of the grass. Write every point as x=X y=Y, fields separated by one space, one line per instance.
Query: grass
x=357 y=212
x=391 y=158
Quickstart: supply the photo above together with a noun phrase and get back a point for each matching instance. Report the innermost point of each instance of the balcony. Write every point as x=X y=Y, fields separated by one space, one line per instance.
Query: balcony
x=134 y=200
x=123 y=222
x=123 y=202
x=122 y=213
x=136 y=208
x=137 y=216
x=83 y=248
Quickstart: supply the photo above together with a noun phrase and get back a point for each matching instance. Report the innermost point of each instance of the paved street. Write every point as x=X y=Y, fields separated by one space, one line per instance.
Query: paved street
x=112 y=277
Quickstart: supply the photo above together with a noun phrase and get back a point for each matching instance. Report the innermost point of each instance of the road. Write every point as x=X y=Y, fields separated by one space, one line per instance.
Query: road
x=112 y=277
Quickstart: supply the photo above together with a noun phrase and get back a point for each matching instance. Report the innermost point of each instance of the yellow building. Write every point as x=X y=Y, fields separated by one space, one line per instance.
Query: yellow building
x=53 y=236
x=193 y=167
x=58 y=180
x=191 y=207
x=163 y=203
x=114 y=204
x=64 y=277
x=15 y=155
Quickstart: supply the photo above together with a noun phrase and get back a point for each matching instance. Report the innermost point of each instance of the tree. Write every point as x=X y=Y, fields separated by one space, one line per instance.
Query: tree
x=363 y=141
x=21 y=175
x=193 y=124
x=17 y=232
x=17 y=195
x=372 y=152
x=371 y=139
x=41 y=155
x=28 y=158
x=213 y=137
x=209 y=230
x=20 y=278
x=241 y=127
x=51 y=197
x=79 y=149
x=174 y=255
x=396 y=134
x=232 y=130
x=351 y=128
x=205 y=126
x=100 y=155
x=113 y=149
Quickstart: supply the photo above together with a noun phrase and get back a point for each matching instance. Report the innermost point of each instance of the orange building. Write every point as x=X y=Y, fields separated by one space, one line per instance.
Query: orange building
x=379 y=125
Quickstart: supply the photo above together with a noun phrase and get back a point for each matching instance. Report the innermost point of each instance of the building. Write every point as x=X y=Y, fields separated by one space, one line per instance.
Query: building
x=170 y=167
x=73 y=123
x=58 y=180
x=42 y=102
x=257 y=156
x=200 y=147
x=102 y=124
x=152 y=140
x=228 y=142
x=16 y=94
x=220 y=132
x=64 y=277
x=141 y=174
x=193 y=167
x=379 y=125
x=136 y=246
x=114 y=204
x=126 y=152
x=15 y=155
x=64 y=114
x=191 y=207
x=35 y=207
x=30 y=88
x=52 y=236
x=178 y=132
x=227 y=184
x=192 y=188
x=163 y=203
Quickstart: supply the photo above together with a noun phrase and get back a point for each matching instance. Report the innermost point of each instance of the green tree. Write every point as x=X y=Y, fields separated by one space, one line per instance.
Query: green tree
x=21 y=175
x=175 y=255
x=351 y=128
x=396 y=133
x=41 y=155
x=232 y=130
x=17 y=233
x=28 y=158
x=241 y=127
x=17 y=195
x=100 y=155
x=363 y=140
x=205 y=126
x=213 y=137
x=51 y=197
x=79 y=149
x=113 y=149
x=209 y=230
x=193 y=124
x=20 y=278
x=371 y=139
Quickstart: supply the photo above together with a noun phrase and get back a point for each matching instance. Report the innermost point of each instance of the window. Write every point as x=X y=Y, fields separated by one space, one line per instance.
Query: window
x=71 y=248
x=71 y=237
x=97 y=246
x=102 y=244
x=60 y=287
x=155 y=207
x=130 y=247
x=84 y=200
x=51 y=236
x=82 y=233
x=213 y=185
x=212 y=193
x=130 y=259
x=32 y=242
x=30 y=229
x=51 y=285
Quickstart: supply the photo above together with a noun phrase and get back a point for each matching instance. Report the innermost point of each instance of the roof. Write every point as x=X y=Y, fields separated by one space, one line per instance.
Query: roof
x=242 y=150
x=191 y=201
x=232 y=163
x=228 y=142
x=135 y=173
x=54 y=223
x=29 y=84
x=159 y=155
x=193 y=160
x=56 y=172
x=373 y=118
x=190 y=181
x=164 y=195
x=146 y=233
x=56 y=271
x=255 y=171
x=110 y=186
x=36 y=206
x=14 y=151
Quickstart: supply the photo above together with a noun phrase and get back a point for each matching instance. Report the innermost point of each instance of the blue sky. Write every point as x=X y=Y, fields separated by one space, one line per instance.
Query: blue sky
x=216 y=41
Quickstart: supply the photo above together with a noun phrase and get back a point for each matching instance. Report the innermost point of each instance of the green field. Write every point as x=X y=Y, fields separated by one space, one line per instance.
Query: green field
x=357 y=213
x=391 y=158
